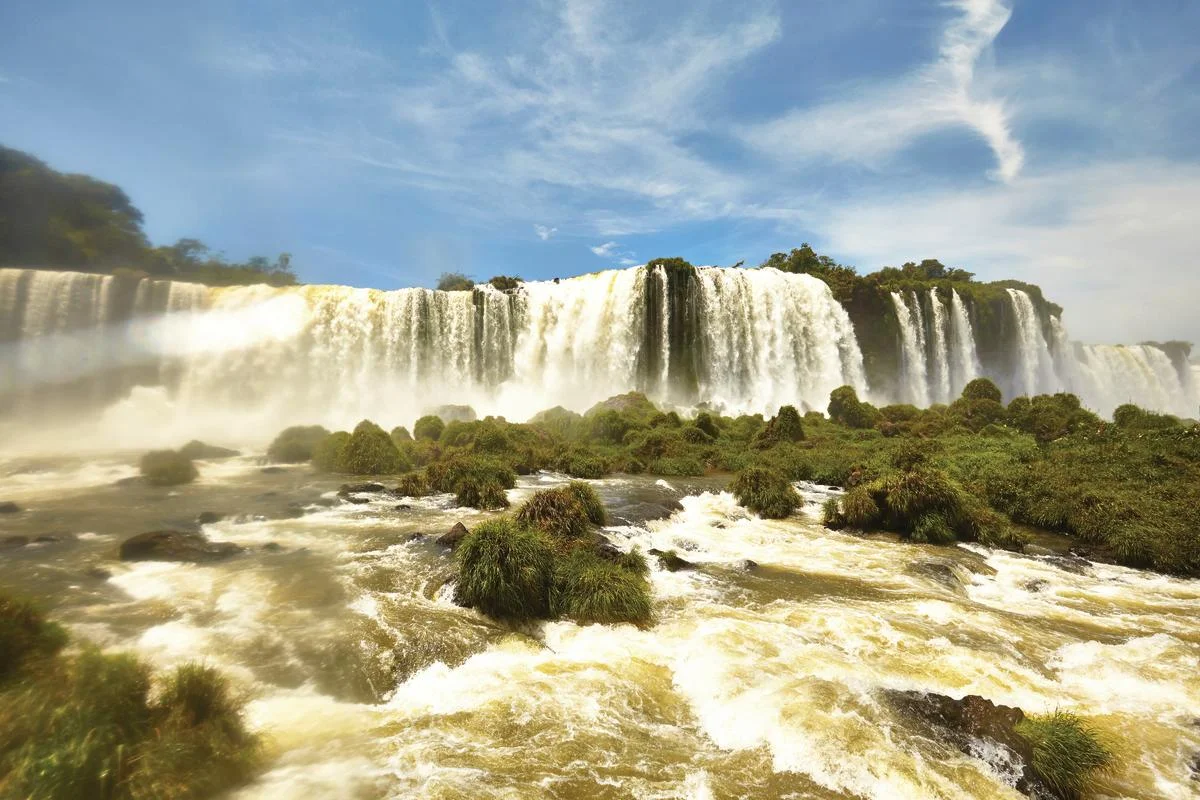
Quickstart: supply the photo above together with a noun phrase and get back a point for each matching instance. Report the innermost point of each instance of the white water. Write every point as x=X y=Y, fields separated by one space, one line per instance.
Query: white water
x=943 y=391
x=1035 y=368
x=962 y=340
x=914 y=366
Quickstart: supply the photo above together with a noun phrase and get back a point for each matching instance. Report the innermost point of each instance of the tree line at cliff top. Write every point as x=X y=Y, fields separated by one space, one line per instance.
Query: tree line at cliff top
x=56 y=220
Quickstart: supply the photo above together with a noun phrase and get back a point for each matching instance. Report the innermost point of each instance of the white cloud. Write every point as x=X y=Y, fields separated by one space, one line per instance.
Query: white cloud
x=543 y=232
x=878 y=120
x=604 y=250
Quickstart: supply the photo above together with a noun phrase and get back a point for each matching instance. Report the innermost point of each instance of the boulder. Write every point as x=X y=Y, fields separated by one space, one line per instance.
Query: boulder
x=133 y=480
x=669 y=561
x=13 y=542
x=98 y=573
x=1038 y=550
x=454 y=537
x=272 y=470
x=963 y=722
x=170 y=545
x=354 y=500
x=362 y=488
x=9 y=507
x=209 y=517
x=638 y=513
x=196 y=449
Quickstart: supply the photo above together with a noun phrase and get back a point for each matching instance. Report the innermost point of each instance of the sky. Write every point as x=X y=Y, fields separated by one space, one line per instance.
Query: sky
x=385 y=143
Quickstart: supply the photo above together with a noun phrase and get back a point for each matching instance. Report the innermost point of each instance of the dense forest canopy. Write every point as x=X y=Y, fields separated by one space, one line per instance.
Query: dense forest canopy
x=57 y=220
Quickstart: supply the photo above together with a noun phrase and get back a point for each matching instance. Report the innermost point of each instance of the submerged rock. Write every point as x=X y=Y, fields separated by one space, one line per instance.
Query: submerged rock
x=196 y=449
x=669 y=561
x=965 y=723
x=97 y=573
x=454 y=537
x=9 y=507
x=638 y=513
x=362 y=488
x=176 y=546
x=133 y=480
x=209 y=517
x=353 y=500
x=272 y=470
x=13 y=542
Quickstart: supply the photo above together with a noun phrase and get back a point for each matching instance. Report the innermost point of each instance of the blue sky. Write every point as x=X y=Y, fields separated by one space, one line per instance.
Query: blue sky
x=385 y=143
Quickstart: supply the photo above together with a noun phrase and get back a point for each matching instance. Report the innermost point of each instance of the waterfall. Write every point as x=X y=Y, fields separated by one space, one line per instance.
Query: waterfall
x=773 y=338
x=913 y=366
x=1035 y=370
x=941 y=391
x=962 y=341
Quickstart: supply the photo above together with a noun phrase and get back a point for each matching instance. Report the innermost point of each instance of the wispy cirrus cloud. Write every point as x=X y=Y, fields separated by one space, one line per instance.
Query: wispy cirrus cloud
x=544 y=233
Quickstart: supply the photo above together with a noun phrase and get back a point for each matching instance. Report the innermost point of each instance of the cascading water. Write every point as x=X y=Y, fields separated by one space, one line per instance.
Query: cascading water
x=965 y=360
x=1035 y=368
x=914 y=372
x=942 y=391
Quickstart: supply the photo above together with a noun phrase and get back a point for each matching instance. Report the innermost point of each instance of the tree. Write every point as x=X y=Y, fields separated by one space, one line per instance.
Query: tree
x=454 y=282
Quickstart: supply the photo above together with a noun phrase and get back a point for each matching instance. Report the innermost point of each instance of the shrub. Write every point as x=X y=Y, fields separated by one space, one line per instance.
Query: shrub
x=590 y=501
x=446 y=475
x=505 y=570
x=167 y=468
x=1067 y=752
x=675 y=467
x=694 y=435
x=400 y=434
x=25 y=635
x=859 y=509
x=429 y=427
x=589 y=589
x=295 y=445
x=846 y=408
x=327 y=454
x=767 y=493
x=370 y=451
x=485 y=494
x=932 y=528
x=505 y=283
x=783 y=427
x=633 y=561
x=670 y=419
x=831 y=514
x=585 y=466
x=706 y=423
x=982 y=389
x=608 y=426
x=454 y=282
x=413 y=484
x=558 y=512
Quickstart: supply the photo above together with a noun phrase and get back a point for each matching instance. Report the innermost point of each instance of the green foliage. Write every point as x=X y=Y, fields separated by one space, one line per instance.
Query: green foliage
x=982 y=389
x=505 y=283
x=327 y=453
x=370 y=451
x=765 y=492
x=447 y=474
x=831 y=514
x=589 y=589
x=558 y=512
x=1132 y=417
x=783 y=427
x=846 y=408
x=676 y=466
x=608 y=426
x=705 y=422
x=505 y=570
x=167 y=468
x=413 y=484
x=454 y=282
x=25 y=636
x=295 y=444
x=859 y=509
x=633 y=561
x=400 y=434
x=429 y=427
x=487 y=495
x=581 y=465
x=587 y=497
x=1067 y=752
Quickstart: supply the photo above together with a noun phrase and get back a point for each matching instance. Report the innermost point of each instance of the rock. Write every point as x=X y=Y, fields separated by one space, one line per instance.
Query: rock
x=637 y=513
x=196 y=449
x=361 y=488
x=454 y=537
x=99 y=573
x=209 y=517
x=53 y=538
x=1038 y=550
x=13 y=542
x=669 y=561
x=176 y=546
x=451 y=413
x=606 y=549
x=746 y=565
x=402 y=507
x=273 y=547
x=293 y=511
x=963 y=722
x=272 y=470
x=133 y=480
x=1035 y=585
x=324 y=502
x=9 y=507
x=358 y=501
x=945 y=571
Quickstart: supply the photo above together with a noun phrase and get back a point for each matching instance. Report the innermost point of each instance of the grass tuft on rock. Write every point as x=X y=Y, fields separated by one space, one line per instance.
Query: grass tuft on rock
x=485 y=494
x=558 y=512
x=295 y=445
x=370 y=451
x=505 y=570
x=589 y=589
x=25 y=635
x=765 y=492
x=587 y=497
x=1067 y=752
x=168 y=468
x=327 y=453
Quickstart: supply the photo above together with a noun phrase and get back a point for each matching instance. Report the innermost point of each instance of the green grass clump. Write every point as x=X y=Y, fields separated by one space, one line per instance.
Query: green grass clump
x=765 y=492
x=428 y=427
x=859 y=509
x=295 y=445
x=486 y=495
x=413 y=484
x=370 y=451
x=681 y=467
x=587 y=497
x=580 y=465
x=327 y=453
x=705 y=422
x=445 y=475
x=933 y=529
x=505 y=570
x=558 y=512
x=633 y=561
x=695 y=435
x=1067 y=752
x=25 y=636
x=831 y=514
x=167 y=468
x=590 y=589
x=783 y=427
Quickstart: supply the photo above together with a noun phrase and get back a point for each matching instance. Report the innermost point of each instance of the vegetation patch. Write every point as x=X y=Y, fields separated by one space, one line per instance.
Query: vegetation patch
x=167 y=468
x=505 y=570
x=1067 y=752
x=590 y=589
x=765 y=492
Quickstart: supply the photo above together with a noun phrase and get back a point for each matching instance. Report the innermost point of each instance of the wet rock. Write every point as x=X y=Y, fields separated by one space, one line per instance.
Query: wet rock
x=606 y=549
x=9 y=507
x=1035 y=585
x=746 y=565
x=176 y=546
x=1038 y=550
x=197 y=449
x=293 y=511
x=273 y=547
x=209 y=517
x=638 y=513
x=354 y=500
x=133 y=480
x=53 y=538
x=1194 y=765
x=454 y=537
x=964 y=722
x=669 y=561
x=402 y=507
x=98 y=573
x=13 y=542
x=272 y=470
x=942 y=570
x=324 y=502
x=362 y=488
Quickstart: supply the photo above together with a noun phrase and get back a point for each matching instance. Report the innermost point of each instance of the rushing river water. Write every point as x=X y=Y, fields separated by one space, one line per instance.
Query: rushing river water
x=762 y=679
